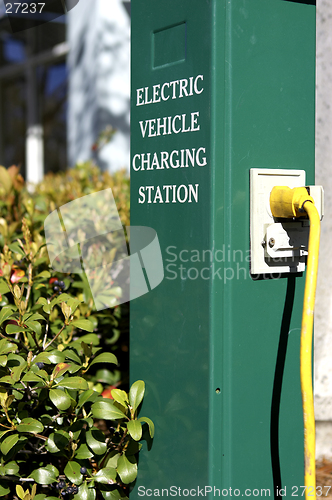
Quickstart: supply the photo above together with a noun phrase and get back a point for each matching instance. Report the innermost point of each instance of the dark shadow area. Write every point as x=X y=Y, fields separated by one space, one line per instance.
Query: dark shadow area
x=146 y=437
x=277 y=383
x=70 y=4
x=27 y=15
x=274 y=276
x=127 y=6
x=307 y=2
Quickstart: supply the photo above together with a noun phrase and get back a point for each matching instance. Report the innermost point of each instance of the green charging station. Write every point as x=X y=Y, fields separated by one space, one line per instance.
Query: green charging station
x=218 y=87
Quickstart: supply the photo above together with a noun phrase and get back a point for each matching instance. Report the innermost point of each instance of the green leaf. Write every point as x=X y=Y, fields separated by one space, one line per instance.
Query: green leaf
x=135 y=429
x=42 y=301
x=60 y=399
x=11 y=329
x=150 y=424
x=107 y=299
x=112 y=460
x=42 y=373
x=38 y=287
x=4 y=287
x=3 y=360
x=70 y=354
x=105 y=476
x=136 y=394
x=34 y=326
x=3 y=298
x=73 y=368
x=111 y=494
x=53 y=469
x=47 y=308
x=43 y=274
x=107 y=377
x=12 y=469
x=42 y=357
x=89 y=338
x=86 y=396
x=4 y=488
x=105 y=357
x=43 y=476
x=73 y=303
x=8 y=443
x=20 y=491
x=127 y=469
x=31 y=377
x=16 y=358
x=83 y=452
x=56 y=356
x=83 y=324
x=85 y=493
x=72 y=472
x=57 y=441
x=77 y=427
x=5 y=313
x=96 y=441
x=15 y=374
x=60 y=369
x=64 y=297
x=2 y=433
x=16 y=248
x=87 y=349
x=7 y=379
x=6 y=346
x=120 y=396
x=74 y=383
x=30 y=425
x=36 y=316
x=105 y=409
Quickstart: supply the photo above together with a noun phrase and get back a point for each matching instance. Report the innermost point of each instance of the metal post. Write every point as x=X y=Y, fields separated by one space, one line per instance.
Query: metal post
x=34 y=134
x=218 y=87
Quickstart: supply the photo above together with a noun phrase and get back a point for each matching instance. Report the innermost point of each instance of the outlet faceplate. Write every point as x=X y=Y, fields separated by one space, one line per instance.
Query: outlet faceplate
x=262 y=180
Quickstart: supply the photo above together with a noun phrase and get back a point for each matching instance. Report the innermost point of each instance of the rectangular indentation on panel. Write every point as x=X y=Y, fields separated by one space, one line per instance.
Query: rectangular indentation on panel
x=169 y=45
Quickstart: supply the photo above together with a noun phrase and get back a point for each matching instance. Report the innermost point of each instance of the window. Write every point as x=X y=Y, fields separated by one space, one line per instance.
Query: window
x=33 y=97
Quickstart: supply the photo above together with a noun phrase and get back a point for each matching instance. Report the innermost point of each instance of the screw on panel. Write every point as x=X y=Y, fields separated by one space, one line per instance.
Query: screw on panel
x=263 y=243
x=272 y=242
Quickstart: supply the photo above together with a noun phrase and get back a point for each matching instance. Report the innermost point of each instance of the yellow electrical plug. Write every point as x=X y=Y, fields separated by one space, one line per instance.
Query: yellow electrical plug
x=285 y=203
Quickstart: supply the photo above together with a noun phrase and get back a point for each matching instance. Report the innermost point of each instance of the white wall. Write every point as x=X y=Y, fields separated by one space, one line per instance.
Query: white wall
x=99 y=81
x=323 y=314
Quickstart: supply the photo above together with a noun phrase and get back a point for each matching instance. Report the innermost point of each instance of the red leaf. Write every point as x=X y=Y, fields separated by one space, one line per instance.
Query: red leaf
x=107 y=392
x=17 y=275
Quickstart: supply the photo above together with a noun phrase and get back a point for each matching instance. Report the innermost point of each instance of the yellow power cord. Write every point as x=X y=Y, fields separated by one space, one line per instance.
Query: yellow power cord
x=286 y=202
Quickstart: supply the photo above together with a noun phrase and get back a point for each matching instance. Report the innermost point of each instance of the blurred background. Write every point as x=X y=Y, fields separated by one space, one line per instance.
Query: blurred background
x=61 y=84
x=64 y=82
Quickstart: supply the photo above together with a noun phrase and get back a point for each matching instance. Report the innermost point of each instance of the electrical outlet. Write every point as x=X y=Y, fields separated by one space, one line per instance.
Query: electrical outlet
x=275 y=247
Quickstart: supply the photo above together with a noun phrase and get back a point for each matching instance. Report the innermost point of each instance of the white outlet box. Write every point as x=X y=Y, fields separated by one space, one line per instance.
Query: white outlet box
x=262 y=180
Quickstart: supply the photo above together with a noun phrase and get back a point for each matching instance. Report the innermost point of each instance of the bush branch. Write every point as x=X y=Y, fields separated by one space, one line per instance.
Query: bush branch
x=54 y=338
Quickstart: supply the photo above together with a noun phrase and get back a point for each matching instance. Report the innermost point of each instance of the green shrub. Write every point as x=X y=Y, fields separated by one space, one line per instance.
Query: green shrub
x=60 y=434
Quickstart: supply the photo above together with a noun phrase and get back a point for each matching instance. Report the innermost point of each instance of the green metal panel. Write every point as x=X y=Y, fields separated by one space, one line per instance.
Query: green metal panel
x=219 y=351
